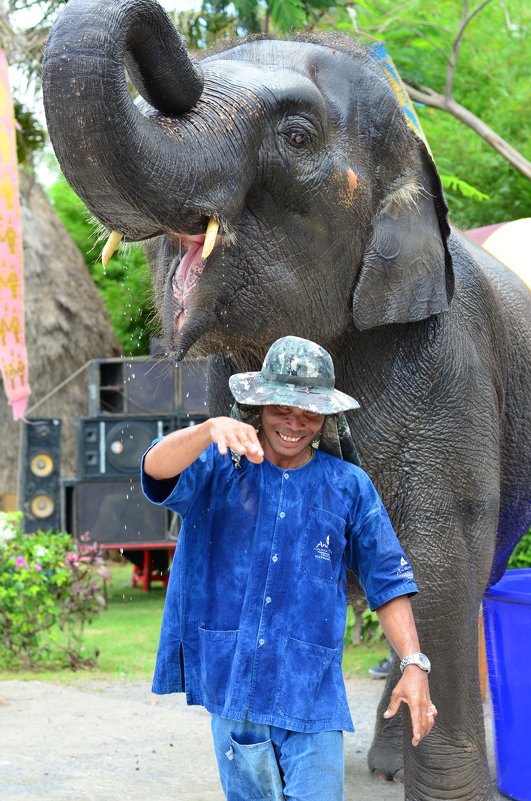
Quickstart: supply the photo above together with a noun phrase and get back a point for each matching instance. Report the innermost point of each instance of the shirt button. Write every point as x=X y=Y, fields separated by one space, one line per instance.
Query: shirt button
x=268 y=600
x=275 y=558
x=261 y=642
x=286 y=475
x=282 y=514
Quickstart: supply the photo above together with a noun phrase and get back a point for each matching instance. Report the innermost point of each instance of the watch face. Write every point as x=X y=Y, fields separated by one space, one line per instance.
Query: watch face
x=424 y=662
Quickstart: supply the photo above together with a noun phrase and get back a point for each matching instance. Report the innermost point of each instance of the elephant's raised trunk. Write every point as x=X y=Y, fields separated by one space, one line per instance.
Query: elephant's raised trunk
x=119 y=161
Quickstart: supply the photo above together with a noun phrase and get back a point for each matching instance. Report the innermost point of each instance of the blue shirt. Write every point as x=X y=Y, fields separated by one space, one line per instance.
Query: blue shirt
x=255 y=612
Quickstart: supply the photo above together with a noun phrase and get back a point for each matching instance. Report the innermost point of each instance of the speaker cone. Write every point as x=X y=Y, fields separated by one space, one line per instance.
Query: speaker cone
x=126 y=442
x=42 y=506
x=41 y=465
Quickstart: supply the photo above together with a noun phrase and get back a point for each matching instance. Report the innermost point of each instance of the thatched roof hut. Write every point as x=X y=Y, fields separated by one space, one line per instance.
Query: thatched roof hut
x=66 y=325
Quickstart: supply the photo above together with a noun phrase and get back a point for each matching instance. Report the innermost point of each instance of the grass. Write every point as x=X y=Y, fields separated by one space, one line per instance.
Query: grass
x=126 y=635
x=357 y=659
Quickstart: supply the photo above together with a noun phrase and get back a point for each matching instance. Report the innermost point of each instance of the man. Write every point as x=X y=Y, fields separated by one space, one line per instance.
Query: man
x=274 y=511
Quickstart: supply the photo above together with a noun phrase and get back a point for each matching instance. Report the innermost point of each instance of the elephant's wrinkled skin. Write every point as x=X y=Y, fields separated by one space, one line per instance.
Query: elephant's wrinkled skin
x=333 y=227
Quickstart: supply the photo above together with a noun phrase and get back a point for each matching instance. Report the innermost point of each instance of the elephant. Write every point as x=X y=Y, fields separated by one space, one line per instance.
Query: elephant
x=280 y=190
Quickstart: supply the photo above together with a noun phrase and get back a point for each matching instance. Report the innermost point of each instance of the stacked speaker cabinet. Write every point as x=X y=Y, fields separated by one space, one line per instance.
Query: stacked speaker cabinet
x=105 y=501
x=131 y=402
x=111 y=447
x=116 y=514
x=40 y=488
x=139 y=386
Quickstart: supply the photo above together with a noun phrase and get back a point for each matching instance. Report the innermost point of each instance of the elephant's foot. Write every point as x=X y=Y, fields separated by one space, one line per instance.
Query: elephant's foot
x=447 y=767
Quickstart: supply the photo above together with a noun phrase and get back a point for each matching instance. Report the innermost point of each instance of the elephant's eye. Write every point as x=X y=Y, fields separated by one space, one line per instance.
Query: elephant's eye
x=298 y=138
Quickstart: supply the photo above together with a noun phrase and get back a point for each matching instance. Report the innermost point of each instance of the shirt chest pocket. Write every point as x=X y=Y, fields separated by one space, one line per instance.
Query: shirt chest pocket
x=323 y=545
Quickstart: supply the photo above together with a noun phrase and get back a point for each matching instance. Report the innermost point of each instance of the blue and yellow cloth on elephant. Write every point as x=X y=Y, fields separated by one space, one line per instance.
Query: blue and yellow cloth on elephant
x=380 y=54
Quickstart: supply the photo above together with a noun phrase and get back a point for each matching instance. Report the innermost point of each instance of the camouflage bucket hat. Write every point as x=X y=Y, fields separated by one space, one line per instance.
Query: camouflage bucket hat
x=295 y=372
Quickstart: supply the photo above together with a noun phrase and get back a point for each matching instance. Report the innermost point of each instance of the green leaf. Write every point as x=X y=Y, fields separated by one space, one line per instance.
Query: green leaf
x=287 y=14
x=458 y=185
x=521 y=556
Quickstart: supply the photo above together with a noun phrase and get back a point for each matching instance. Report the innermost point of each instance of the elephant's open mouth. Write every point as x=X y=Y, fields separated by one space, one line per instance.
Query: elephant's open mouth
x=197 y=248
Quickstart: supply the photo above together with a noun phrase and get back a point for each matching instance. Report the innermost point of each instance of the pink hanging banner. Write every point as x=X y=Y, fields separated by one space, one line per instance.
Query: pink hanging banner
x=13 y=355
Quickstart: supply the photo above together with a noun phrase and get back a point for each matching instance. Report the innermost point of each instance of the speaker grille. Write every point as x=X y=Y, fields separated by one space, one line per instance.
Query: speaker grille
x=125 y=443
x=116 y=513
x=113 y=447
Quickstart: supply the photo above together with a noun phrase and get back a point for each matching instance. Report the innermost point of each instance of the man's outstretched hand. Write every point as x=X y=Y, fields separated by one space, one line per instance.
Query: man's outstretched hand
x=240 y=437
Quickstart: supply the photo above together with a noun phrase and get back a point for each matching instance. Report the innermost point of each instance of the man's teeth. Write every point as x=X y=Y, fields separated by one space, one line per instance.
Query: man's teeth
x=288 y=439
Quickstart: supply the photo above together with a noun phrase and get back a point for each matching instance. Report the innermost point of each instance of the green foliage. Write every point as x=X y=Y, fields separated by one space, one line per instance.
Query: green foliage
x=30 y=135
x=370 y=625
x=521 y=556
x=49 y=590
x=491 y=79
x=126 y=283
x=460 y=151
x=455 y=184
x=287 y=14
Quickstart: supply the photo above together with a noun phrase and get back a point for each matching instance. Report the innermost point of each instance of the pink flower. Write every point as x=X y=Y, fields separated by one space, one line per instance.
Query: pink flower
x=20 y=561
x=38 y=567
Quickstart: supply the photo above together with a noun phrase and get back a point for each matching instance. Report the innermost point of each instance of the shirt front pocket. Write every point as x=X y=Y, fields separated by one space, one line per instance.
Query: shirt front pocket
x=323 y=545
x=216 y=655
x=308 y=682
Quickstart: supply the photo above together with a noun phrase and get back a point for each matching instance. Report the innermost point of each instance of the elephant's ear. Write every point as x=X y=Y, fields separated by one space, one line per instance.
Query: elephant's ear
x=406 y=272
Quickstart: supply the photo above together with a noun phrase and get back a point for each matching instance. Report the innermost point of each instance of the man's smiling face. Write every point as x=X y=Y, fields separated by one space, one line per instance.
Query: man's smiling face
x=286 y=434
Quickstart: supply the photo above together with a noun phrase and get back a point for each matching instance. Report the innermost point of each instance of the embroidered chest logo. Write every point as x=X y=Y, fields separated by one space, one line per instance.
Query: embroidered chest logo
x=322 y=550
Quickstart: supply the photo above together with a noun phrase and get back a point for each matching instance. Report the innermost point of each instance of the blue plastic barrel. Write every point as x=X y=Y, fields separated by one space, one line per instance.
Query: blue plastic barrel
x=507 y=614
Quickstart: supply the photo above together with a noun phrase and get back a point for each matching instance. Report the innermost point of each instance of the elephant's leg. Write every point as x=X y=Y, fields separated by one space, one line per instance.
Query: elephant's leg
x=386 y=758
x=451 y=763
x=451 y=567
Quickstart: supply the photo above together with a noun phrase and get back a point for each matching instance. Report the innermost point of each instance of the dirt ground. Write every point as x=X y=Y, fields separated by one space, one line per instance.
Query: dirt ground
x=96 y=741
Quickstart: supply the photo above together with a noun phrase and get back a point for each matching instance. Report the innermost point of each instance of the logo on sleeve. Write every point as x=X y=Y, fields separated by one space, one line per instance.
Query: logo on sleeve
x=322 y=550
x=404 y=571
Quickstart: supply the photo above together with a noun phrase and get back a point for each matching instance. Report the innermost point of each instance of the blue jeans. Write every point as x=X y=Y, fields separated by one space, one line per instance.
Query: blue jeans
x=257 y=762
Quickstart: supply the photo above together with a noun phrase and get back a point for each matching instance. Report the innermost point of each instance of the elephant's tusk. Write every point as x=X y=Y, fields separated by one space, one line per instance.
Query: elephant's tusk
x=210 y=238
x=110 y=246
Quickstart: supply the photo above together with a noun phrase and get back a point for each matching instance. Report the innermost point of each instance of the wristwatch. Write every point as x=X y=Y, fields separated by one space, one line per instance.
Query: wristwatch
x=421 y=660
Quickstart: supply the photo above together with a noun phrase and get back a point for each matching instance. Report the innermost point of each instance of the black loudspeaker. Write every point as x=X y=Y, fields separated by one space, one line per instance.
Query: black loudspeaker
x=115 y=514
x=113 y=447
x=153 y=386
x=40 y=490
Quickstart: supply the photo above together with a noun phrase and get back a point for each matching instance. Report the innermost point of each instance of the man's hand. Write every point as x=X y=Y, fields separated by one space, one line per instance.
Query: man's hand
x=241 y=438
x=176 y=451
x=413 y=690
